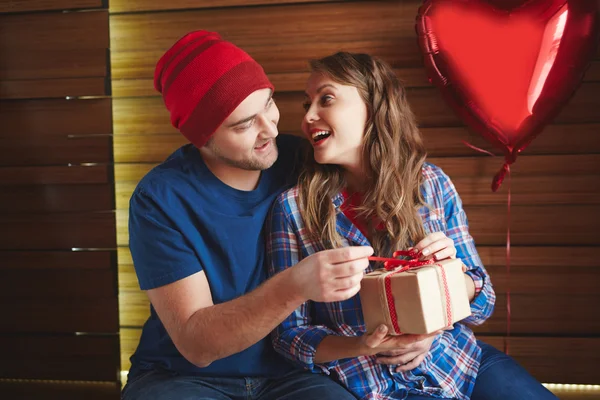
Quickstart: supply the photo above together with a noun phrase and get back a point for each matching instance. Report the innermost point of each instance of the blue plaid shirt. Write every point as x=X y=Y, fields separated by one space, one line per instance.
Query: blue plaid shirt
x=450 y=368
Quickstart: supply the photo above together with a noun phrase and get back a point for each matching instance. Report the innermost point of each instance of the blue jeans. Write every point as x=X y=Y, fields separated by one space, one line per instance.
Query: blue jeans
x=296 y=385
x=501 y=378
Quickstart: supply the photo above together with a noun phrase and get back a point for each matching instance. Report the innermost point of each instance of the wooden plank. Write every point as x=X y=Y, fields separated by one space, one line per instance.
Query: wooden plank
x=130 y=338
x=308 y=23
x=58 y=117
x=61 y=150
x=64 y=260
x=146 y=148
x=58 y=291
x=543 y=356
x=440 y=142
x=93 y=174
x=134 y=308
x=119 y=6
x=527 y=165
x=53 y=88
x=550 y=292
x=526 y=190
x=545 y=314
x=80 y=357
x=399 y=53
x=552 y=225
x=57 y=198
x=59 y=390
x=57 y=231
x=283 y=82
x=455 y=167
x=54 y=31
x=7 y=6
x=148 y=115
x=54 y=64
x=555 y=139
x=51 y=315
x=131 y=172
x=296 y=81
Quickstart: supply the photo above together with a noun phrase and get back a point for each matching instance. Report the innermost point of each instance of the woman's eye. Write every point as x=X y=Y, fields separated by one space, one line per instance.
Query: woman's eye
x=326 y=99
x=306 y=106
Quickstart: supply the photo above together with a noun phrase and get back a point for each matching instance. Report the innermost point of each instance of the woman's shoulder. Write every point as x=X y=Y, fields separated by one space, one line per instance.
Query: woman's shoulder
x=288 y=201
x=436 y=183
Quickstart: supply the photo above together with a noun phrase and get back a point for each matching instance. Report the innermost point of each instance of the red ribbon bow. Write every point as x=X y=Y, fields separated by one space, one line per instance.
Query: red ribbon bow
x=391 y=264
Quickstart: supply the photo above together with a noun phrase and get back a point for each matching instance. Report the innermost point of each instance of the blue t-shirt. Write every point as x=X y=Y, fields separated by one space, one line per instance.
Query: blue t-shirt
x=183 y=220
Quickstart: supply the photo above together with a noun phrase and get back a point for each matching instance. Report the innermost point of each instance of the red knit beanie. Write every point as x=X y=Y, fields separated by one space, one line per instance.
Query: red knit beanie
x=203 y=79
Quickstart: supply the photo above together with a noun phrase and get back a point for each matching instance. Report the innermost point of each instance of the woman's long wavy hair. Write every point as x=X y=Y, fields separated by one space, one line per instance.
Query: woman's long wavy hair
x=393 y=153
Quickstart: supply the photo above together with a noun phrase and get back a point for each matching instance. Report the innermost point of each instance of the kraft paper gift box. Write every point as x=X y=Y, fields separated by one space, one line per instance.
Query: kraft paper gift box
x=419 y=300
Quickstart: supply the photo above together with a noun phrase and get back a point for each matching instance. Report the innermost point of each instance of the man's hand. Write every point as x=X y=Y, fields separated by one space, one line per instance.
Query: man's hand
x=331 y=275
x=406 y=351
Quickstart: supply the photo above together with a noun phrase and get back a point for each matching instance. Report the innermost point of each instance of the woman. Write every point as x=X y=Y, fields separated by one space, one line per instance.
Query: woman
x=366 y=182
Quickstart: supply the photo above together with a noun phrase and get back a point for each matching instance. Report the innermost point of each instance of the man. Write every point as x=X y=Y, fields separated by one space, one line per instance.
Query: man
x=196 y=239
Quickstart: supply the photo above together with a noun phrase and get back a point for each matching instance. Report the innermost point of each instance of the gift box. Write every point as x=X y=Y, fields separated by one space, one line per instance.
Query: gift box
x=413 y=298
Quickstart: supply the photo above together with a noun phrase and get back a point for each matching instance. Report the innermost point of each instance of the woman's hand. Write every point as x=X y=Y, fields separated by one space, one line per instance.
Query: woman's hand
x=406 y=351
x=437 y=246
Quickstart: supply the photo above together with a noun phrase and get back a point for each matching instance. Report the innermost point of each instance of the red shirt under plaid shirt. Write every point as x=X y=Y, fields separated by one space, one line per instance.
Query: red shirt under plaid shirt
x=450 y=368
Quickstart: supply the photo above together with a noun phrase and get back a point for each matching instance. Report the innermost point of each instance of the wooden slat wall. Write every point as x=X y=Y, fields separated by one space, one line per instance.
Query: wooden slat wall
x=59 y=337
x=555 y=281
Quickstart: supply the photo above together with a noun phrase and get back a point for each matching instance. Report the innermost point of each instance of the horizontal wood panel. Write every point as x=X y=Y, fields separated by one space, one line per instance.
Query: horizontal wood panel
x=57 y=260
x=550 y=292
x=59 y=390
x=117 y=6
x=539 y=355
x=148 y=115
x=399 y=53
x=53 y=88
x=57 y=198
x=283 y=82
x=546 y=314
x=54 y=31
x=55 y=150
x=296 y=81
x=35 y=118
x=16 y=176
x=531 y=225
x=58 y=292
x=43 y=5
x=536 y=225
x=53 y=64
x=41 y=282
x=309 y=23
x=446 y=142
x=544 y=356
x=525 y=190
x=526 y=165
x=88 y=358
x=59 y=315
x=57 y=231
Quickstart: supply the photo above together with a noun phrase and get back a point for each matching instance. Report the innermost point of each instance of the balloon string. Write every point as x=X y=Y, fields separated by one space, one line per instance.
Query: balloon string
x=497 y=181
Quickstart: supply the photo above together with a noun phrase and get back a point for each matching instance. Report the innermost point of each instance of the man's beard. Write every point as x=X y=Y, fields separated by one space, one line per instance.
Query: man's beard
x=249 y=163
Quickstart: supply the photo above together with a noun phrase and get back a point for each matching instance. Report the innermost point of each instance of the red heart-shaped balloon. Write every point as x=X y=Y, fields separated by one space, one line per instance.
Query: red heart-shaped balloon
x=507 y=67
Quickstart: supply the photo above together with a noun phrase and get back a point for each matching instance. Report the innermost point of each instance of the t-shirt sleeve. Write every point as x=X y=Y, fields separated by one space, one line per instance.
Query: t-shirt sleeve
x=161 y=253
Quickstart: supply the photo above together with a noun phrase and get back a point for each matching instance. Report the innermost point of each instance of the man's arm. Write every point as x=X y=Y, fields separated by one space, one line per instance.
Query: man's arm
x=204 y=332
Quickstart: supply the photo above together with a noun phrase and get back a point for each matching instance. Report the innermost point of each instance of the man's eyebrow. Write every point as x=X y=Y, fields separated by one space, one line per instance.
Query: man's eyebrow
x=321 y=88
x=250 y=118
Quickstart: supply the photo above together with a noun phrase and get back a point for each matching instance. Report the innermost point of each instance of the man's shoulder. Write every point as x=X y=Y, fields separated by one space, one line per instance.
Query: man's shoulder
x=167 y=175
